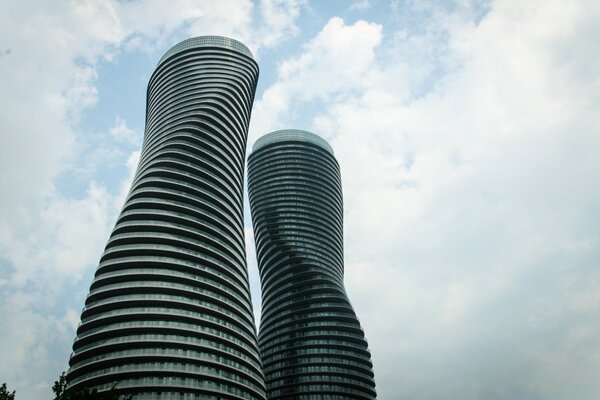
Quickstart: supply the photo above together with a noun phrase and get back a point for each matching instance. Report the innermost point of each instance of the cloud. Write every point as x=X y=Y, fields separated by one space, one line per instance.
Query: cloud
x=360 y=5
x=333 y=64
x=46 y=261
x=120 y=131
x=278 y=20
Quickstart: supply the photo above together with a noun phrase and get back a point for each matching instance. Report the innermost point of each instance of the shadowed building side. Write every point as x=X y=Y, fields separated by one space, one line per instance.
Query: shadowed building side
x=311 y=341
x=169 y=315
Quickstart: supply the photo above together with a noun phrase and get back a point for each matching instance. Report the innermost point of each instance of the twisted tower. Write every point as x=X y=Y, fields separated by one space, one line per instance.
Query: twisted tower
x=169 y=315
x=311 y=342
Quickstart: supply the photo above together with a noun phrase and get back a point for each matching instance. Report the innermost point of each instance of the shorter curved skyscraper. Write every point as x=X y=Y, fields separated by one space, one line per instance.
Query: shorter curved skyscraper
x=311 y=342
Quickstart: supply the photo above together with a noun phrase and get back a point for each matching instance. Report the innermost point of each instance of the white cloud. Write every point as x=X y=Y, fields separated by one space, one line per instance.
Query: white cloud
x=333 y=64
x=46 y=260
x=277 y=21
x=264 y=26
x=360 y=5
x=122 y=132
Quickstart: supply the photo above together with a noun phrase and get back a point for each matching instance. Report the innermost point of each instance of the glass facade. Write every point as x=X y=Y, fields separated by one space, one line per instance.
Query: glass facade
x=168 y=315
x=311 y=342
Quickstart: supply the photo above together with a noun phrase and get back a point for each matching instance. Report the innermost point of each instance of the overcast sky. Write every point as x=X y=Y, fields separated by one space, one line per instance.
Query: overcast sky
x=469 y=141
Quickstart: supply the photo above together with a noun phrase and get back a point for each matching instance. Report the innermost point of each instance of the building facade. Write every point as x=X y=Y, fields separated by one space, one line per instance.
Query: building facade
x=312 y=344
x=168 y=315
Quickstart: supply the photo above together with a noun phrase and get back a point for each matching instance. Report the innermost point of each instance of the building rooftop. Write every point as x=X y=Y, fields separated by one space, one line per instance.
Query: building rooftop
x=207 y=41
x=286 y=135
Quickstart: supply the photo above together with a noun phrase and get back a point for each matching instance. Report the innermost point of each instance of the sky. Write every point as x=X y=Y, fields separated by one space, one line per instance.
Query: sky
x=468 y=138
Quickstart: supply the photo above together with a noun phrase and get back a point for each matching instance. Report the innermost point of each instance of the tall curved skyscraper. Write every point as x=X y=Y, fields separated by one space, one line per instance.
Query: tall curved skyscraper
x=311 y=342
x=169 y=315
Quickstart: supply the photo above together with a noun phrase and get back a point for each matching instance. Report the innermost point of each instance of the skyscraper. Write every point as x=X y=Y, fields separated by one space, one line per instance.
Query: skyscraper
x=168 y=315
x=312 y=344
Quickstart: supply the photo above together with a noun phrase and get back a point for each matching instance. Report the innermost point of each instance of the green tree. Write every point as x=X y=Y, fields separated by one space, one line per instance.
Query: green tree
x=60 y=386
x=5 y=394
